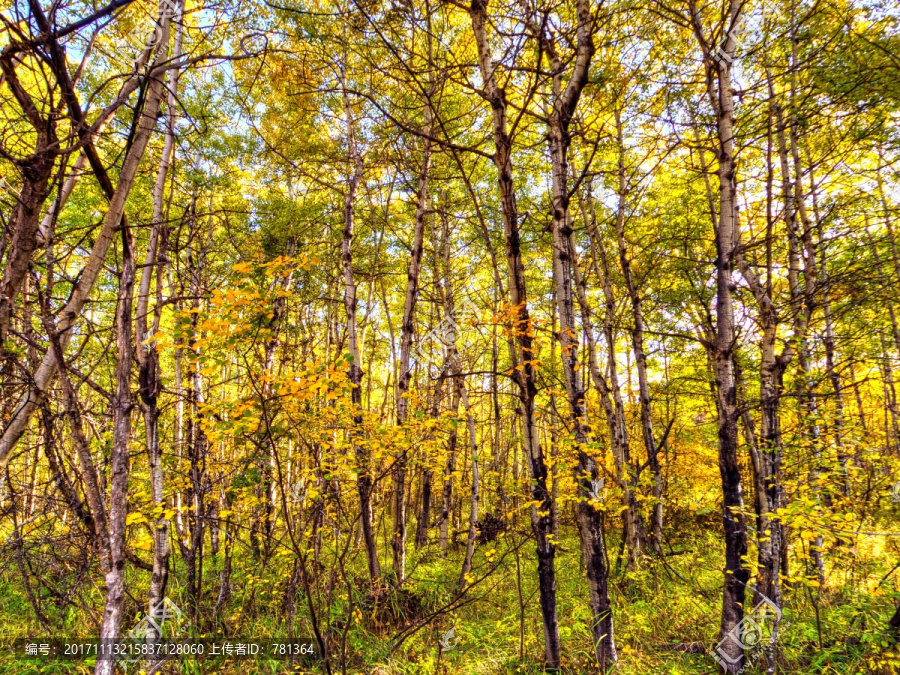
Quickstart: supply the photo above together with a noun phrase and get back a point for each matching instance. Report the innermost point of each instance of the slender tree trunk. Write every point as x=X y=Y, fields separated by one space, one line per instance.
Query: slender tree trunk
x=626 y=473
x=460 y=394
x=398 y=541
x=614 y=419
x=475 y=488
x=554 y=418
x=364 y=483
x=542 y=523
x=889 y=225
x=736 y=575
x=427 y=475
x=802 y=247
x=449 y=470
x=640 y=357
x=424 y=520
x=890 y=399
x=87 y=469
x=895 y=259
x=196 y=436
x=118 y=501
x=588 y=515
x=149 y=372
x=36 y=170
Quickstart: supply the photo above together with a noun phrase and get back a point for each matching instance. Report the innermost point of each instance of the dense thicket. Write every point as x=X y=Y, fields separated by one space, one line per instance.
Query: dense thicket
x=455 y=337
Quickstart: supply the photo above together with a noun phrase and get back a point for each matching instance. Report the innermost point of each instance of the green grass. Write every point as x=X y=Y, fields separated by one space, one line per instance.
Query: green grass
x=663 y=612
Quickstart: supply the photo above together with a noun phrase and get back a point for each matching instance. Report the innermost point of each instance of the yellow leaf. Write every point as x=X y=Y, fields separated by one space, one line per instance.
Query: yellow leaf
x=133 y=518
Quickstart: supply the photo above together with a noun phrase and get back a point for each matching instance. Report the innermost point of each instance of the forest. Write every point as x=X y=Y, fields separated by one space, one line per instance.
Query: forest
x=449 y=336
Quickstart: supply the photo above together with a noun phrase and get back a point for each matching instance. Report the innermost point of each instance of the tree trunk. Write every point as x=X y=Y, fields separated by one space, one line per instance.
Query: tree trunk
x=718 y=75
x=640 y=357
x=196 y=436
x=364 y=484
x=36 y=170
x=460 y=394
x=398 y=541
x=88 y=470
x=542 y=523
x=588 y=515
x=149 y=372
x=626 y=473
x=118 y=500
x=447 y=491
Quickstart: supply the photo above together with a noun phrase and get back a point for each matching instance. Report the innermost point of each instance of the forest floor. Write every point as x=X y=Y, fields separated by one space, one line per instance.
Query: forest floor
x=666 y=616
